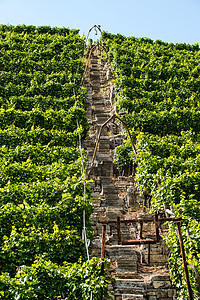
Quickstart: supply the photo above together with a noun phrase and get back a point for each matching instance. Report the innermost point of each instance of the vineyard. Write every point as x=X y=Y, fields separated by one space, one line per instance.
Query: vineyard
x=158 y=90
x=44 y=190
x=42 y=119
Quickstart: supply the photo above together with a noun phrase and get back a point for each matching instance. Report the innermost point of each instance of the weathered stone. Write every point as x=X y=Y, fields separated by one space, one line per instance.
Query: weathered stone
x=161 y=284
x=131 y=297
x=119 y=197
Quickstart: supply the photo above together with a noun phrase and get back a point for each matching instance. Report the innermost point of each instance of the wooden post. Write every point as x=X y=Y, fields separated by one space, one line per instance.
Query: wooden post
x=141 y=256
x=103 y=242
x=119 y=230
x=141 y=225
x=103 y=246
x=156 y=226
x=111 y=230
x=102 y=272
x=149 y=253
x=165 y=209
x=184 y=261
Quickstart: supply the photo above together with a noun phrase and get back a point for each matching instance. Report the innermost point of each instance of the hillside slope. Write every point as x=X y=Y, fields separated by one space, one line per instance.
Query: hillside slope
x=42 y=113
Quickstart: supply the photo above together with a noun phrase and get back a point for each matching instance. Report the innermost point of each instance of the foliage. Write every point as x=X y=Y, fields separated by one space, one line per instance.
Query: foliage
x=42 y=114
x=47 y=280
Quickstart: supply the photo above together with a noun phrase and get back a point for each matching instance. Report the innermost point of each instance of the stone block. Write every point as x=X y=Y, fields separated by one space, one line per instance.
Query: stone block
x=132 y=297
x=161 y=284
x=171 y=293
x=158 y=258
x=160 y=278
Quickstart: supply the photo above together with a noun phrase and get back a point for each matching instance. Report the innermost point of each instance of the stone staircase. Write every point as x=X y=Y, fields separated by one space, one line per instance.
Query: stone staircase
x=114 y=196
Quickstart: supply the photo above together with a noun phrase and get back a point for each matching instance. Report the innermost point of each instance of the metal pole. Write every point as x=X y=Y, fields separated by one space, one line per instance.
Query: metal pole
x=184 y=260
x=103 y=242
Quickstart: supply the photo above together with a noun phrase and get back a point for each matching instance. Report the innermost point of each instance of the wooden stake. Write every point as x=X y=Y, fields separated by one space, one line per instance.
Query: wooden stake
x=149 y=253
x=156 y=226
x=184 y=261
x=141 y=225
x=103 y=242
x=119 y=230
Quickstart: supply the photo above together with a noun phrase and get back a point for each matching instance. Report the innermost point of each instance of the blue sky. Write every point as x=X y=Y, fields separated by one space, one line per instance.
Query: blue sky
x=167 y=20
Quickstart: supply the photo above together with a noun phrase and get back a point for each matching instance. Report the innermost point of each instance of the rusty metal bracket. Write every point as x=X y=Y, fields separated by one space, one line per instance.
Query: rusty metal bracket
x=113 y=117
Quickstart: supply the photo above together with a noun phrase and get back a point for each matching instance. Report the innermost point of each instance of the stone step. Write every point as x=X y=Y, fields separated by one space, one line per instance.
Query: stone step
x=114 y=212
x=102 y=114
x=107 y=188
x=104 y=158
x=101 y=107
x=96 y=88
x=102 y=101
x=133 y=297
x=121 y=250
x=100 y=122
x=114 y=203
x=99 y=111
x=129 y=275
x=130 y=286
x=102 y=118
x=94 y=72
x=112 y=194
x=103 y=144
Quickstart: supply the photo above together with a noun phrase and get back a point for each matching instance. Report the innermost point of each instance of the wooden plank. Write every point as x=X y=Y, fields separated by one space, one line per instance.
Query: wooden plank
x=138 y=242
x=177 y=219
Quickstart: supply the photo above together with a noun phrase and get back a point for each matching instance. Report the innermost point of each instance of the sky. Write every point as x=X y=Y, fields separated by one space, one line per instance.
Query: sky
x=174 y=21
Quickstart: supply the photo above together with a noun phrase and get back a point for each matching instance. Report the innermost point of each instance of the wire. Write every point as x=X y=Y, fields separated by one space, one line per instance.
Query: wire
x=87 y=242
x=84 y=193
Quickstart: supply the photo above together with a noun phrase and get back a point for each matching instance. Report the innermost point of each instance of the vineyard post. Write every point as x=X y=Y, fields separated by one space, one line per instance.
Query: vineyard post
x=156 y=226
x=103 y=242
x=184 y=260
x=103 y=246
x=141 y=226
x=149 y=254
x=119 y=230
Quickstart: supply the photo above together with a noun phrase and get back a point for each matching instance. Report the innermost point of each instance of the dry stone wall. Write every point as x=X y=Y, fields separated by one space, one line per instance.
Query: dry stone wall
x=115 y=195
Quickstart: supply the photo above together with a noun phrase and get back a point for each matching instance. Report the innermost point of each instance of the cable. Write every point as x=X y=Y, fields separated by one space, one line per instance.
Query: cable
x=84 y=193
x=87 y=242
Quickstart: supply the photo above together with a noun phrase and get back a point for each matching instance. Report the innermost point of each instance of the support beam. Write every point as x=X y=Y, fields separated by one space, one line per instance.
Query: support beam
x=138 y=242
x=160 y=220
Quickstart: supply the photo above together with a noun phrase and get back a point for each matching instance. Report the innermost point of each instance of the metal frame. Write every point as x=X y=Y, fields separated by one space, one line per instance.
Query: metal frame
x=141 y=241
